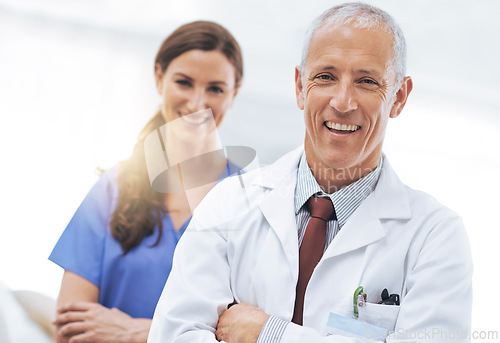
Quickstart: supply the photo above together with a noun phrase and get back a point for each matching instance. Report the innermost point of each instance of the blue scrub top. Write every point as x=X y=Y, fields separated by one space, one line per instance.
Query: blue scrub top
x=133 y=282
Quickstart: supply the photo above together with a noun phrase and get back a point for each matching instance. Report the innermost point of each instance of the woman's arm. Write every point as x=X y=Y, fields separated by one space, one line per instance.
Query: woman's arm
x=75 y=288
x=80 y=318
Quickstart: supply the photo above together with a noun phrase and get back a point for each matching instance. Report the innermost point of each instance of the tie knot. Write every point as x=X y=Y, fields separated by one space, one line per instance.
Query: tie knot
x=321 y=208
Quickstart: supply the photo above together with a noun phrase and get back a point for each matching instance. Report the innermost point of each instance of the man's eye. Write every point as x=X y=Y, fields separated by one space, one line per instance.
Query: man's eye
x=216 y=90
x=369 y=82
x=324 y=77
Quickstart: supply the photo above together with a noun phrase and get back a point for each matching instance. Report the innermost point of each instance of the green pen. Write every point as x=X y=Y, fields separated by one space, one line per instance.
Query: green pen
x=357 y=293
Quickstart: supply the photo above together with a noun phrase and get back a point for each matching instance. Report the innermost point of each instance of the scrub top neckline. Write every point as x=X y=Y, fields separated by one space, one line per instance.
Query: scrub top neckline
x=177 y=234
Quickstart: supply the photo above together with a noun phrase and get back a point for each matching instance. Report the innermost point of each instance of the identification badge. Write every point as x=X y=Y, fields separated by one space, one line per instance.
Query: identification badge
x=350 y=327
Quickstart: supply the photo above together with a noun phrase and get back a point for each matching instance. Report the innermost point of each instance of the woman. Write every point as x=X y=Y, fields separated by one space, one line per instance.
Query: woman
x=117 y=250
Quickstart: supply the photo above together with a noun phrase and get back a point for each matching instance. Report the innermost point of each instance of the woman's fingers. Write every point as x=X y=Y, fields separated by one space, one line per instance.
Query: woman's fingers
x=73 y=328
x=67 y=317
x=77 y=306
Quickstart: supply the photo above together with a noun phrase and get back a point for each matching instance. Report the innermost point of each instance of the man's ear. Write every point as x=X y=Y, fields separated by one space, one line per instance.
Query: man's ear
x=299 y=91
x=158 y=76
x=401 y=96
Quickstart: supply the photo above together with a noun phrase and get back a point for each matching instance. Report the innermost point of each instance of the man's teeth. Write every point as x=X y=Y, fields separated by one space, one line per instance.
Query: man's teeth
x=342 y=127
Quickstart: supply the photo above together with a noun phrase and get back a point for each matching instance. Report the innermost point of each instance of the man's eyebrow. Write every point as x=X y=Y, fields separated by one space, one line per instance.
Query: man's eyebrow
x=319 y=69
x=361 y=71
x=325 y=68
x=369 y=72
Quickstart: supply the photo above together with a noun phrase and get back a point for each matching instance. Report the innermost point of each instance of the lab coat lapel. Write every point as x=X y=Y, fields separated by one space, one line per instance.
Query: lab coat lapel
x=389 y=200
x=362 y=228
x=277 y=205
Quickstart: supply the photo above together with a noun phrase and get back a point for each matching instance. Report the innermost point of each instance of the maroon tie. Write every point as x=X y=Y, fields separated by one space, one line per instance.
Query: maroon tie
x=311 y=249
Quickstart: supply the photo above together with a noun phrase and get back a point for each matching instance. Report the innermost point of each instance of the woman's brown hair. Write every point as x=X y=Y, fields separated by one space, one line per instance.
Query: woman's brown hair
x=140 y=209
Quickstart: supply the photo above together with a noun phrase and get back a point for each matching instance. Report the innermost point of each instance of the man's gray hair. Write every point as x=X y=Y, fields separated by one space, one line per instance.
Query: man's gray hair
x=362 y=16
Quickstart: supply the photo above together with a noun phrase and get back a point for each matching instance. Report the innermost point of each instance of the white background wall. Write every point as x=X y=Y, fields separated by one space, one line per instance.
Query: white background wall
x=76 y=86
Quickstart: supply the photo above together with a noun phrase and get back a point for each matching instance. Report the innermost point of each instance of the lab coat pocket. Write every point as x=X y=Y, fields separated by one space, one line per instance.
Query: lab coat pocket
x=380 y=315
x=341 y=321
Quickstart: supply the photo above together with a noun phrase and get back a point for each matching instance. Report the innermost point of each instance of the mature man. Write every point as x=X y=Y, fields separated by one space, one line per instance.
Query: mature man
x=325 y=220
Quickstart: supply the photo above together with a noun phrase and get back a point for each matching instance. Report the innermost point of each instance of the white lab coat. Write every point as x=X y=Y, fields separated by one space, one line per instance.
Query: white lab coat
x=242 y=244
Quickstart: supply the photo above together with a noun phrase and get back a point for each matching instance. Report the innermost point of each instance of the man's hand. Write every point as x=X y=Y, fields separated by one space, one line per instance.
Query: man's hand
x=242 y=323
x=91 y=322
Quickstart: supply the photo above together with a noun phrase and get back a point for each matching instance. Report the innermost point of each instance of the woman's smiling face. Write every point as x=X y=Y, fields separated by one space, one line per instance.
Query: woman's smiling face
x=194 y=81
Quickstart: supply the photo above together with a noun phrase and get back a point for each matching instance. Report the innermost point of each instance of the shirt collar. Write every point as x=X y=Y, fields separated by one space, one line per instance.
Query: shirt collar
x=346 y=200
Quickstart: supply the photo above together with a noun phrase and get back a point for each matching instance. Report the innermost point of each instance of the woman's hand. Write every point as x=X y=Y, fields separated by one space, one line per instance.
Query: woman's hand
x=90 y=322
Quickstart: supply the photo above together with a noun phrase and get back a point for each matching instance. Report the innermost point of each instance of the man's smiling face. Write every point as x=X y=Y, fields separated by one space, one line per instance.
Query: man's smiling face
x=348 y=92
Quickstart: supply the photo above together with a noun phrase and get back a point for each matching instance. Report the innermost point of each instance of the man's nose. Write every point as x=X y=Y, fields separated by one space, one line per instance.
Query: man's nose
x=344 y=98
x=197 y=101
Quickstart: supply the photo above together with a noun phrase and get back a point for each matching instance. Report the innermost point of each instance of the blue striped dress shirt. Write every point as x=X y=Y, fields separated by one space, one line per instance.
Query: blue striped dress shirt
x=345 y=201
